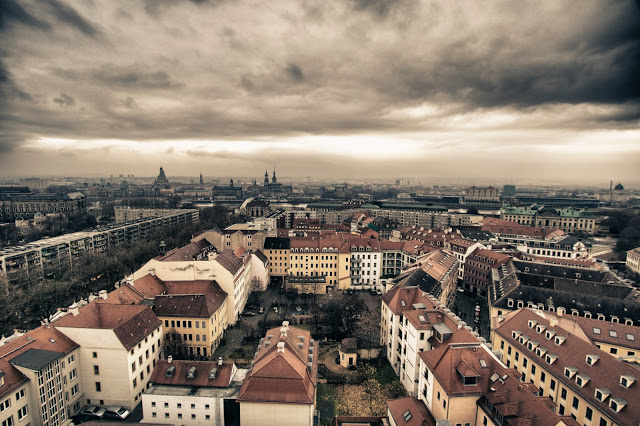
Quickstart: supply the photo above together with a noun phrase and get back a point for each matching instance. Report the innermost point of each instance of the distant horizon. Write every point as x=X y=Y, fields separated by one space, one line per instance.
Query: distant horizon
x=540 y=92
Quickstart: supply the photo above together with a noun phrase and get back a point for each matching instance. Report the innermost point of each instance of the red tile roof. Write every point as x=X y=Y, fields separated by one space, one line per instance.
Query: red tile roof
x=283 y=376
x=230 y=261
x=417 y=411
x=130 y=323
x=43 y=338
x=605 y=373
x=197 y=299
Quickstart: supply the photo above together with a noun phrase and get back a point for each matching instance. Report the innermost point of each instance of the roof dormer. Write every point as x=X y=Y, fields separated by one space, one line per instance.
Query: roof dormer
x=582 y=380
x=559 y=340
x=541 y=328
x=551 y=358
x=627 y=380
x=516 y=333
x=532 y=323
x=550 y=334
x=541 y=351
x=570 y=372
x=602 y=394
x=532 y=345
x=617 y=404
x=592 y=359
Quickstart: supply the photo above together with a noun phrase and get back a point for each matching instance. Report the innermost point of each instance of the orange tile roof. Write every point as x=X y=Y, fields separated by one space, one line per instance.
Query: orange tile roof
x=130 y=323
x=418 y=411
x=223 y=376
x=283 y=377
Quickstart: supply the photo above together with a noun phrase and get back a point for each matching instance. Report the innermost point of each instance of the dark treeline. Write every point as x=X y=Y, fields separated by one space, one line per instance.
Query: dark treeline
x=27 y=297
x=625 y=226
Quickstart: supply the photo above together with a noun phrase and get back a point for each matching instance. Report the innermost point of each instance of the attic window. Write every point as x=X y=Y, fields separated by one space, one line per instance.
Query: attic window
x=540 y=328
x=596 y=330
x=601 y=394
x=578 y=275
x=551 y=358
x=520 y=303
x=541 y=352
x=510 y=303
x=582 y=380
x=560 y=340
x=532 y=323
x=631 y=337
x=469 y=380
x=627 y=380
x=516 y=334
x=483 y=363
x=524 y=340
x=592 y=359
x=570 y=372
x=407 y=416
x=613 y=333
x=550 y=335
x=617 y=404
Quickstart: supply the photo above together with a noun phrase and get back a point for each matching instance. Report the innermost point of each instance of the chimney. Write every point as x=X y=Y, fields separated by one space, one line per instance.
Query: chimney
x=220 y=361
x=553 y=321
x=280 y=347
x=102 y=294
x=92 y=297
x=285 y=324
x=152 y=272
x=169 y=359
x=74 y=309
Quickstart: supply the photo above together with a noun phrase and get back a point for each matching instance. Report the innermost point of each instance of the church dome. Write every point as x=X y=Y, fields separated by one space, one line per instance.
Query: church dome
x=619 y=187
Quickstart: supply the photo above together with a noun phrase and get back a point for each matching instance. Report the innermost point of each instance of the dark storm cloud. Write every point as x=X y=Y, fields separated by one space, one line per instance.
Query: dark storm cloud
x=64 y=100
x=231 y=70
x=295 y=73
x=69 y=16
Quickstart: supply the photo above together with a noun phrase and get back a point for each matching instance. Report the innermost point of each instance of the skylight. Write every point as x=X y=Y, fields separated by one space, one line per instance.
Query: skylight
x=596 y=330
x=613 y=333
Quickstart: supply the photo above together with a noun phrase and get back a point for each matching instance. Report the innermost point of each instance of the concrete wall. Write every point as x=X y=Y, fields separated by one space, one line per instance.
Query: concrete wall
x=264 y=414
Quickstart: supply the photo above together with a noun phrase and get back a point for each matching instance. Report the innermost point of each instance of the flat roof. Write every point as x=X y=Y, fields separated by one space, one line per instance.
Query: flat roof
x=36 y=359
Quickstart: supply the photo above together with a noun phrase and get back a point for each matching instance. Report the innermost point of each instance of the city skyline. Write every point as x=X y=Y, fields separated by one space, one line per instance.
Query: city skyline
x=527 y=92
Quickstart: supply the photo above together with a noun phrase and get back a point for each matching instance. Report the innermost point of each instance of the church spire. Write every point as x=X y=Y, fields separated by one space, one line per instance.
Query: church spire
x=273 y=179
x=266 y=177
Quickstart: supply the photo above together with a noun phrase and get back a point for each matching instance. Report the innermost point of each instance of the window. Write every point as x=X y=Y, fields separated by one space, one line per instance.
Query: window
x=552 y=384
x=135 y=382
x=179 y=415
x=94 y=354
x=71 y=359
x=193 y=406
x=206 y=406
x=19 y=394
x=630 y=337
x=575 y=403
x=8 y=422
x=98 y=387
x=596 y=330
x=133 y=367
x=166 y=405
x=613 y=351
x=563 y=393
x=561 y=409
x=193 y=417
x=207 y=417
x=96 y=370
x=166 y=415
x=589 y=413
x=153 y=403
x=613 y=333
x=75 y=389
x=22 y=413
x=72 y=374
x=543 y=376
x=4 y=405
x=154 y=414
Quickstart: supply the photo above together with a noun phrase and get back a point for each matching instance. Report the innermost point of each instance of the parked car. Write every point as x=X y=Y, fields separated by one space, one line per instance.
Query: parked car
x=93 y=411
x=249 y=314
x=476 y=320
x=261 y=310
x=117 y=413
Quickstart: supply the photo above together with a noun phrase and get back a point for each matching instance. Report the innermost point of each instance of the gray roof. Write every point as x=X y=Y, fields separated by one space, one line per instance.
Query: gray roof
x=277 y=243
x=36 y=359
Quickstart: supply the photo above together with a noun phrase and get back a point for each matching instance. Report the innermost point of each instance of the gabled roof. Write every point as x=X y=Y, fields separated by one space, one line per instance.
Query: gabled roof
x=229 y=261
x=198 y=299
x=130 y=323
x=283 y=376
x=410 y=411
x=261 y=257
x=43 y=338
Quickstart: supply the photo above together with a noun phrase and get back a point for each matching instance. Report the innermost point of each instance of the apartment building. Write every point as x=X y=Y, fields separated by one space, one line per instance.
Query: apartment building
x=468 y=385
x=40 y=379
x=633 y=260
x=247 y=235
x=408 y=411
x=366 y=262
x=327 y=257
x=484 y=267
x=412 y=321
x=420 y=216
x=435 y=273
x=462 y=248
x=69 y=246
x=584 y=382
x=127 y=214
x=277 y=251
x=280 y=388
x=192 y=392
x=194 y=315
x=569 y=220
x=27 y=205
x=231 y=270
x=119 y=346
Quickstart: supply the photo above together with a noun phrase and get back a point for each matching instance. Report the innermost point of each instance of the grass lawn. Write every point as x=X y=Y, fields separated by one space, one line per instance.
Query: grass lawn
x=385 y=374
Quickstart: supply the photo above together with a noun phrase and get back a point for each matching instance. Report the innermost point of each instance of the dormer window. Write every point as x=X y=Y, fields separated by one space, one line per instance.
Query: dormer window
x=540 y=328
x=602 y=394
x=407 y=416
x=515 y=334
x=592 y=359
x=617 y=404
x=541 y=352
x=582 y=379
x=532 y=345
x=510 y=303
x=627 y=380
x=532 y=323
x=550 y=334
x=551 y=358
x=560 y=340
x=524 y=340
x=520 y=303
x=570 y=372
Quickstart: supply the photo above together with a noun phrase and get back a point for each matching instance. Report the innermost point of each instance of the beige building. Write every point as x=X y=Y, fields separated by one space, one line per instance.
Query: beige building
x=194 y=315
x=280 y=388
x=348 y=352
x=40 y=380
x=119 y=346
x=633 y=260
x=127 y=214
x=584 y=382
x=191 y=392
x=569 y=220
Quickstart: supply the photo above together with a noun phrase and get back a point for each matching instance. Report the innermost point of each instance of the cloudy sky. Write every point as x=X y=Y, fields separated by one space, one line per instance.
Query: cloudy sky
x=517 y=91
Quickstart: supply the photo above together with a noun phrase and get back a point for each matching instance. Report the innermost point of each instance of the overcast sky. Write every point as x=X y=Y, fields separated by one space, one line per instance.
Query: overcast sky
x=517 y=91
